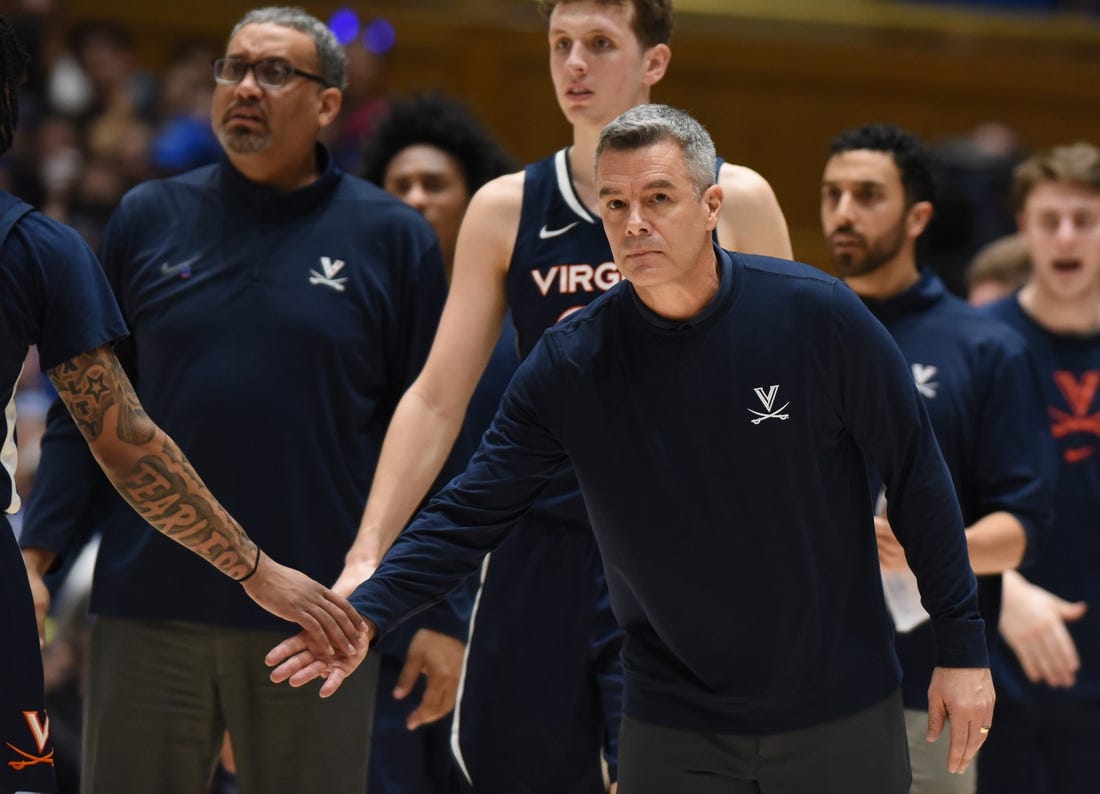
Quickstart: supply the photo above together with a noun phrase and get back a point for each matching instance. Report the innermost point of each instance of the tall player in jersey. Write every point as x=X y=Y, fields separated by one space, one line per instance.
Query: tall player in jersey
x=540 y=701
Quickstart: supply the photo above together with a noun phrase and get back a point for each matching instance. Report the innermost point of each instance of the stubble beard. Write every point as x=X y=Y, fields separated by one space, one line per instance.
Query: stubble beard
x=872 y=256
x=242 y=141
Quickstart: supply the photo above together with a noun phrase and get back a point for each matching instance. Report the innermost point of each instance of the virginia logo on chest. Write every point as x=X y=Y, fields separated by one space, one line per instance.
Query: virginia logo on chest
x=571 y=279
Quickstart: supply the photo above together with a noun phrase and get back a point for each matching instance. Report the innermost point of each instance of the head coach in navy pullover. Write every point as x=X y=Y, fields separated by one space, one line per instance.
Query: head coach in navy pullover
x=721 y=411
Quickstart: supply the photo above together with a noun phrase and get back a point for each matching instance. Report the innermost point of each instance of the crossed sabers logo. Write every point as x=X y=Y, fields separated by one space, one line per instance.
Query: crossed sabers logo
x=768 y=399
x=41 y=732
x=330 y=267
x=1079 y=396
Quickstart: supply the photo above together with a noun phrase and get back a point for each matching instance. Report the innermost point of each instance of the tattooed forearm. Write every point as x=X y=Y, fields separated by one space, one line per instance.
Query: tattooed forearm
x=159 y=483
x=92 y=383
x=166 y=492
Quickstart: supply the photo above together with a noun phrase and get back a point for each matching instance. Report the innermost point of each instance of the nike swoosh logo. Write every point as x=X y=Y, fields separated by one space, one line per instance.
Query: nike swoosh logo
x=546 y=234
x=168 y=270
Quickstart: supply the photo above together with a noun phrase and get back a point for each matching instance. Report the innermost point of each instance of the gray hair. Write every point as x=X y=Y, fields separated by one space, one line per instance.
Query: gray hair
x=331 y=58
x=646 y=125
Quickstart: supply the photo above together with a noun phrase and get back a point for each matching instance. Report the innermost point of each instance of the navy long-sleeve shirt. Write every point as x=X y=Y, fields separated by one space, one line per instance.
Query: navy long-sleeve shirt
x=722 y=462
x=1068 y=563
x=978 y=382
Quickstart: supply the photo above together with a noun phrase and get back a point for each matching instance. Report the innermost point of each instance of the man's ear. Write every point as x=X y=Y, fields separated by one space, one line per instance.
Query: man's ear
x=918 y=218
x=331 y=101
x=656 y=63
x=712 y=198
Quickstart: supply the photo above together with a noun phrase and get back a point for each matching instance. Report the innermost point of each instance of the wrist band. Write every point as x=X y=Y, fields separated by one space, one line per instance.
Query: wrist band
x=254 y=566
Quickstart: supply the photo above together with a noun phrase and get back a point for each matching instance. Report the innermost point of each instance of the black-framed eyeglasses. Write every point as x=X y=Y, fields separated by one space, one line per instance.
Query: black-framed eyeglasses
x=269 y=72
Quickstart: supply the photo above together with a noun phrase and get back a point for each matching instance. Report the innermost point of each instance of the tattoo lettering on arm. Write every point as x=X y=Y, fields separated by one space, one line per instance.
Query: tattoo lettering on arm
x=160 y=484
x=92 y=382
x=165 y=490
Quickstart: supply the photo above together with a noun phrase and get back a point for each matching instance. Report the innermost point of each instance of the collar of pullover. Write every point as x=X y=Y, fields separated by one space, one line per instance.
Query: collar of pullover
x=252 y=198
x=927 y=291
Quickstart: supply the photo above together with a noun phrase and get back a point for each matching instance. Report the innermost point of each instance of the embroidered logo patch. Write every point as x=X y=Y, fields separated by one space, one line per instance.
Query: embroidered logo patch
x=767 y=398
x=40 y=730
x=329 y=268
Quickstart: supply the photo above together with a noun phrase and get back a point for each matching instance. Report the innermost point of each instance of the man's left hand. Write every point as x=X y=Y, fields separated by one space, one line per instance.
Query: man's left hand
x=965 y=696
x=439 y=658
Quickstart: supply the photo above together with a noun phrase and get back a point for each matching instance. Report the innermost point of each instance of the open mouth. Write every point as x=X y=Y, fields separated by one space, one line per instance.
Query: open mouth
x=1067 y=265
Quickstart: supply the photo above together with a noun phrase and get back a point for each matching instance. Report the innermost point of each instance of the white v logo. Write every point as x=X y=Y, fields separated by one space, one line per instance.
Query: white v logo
x=331 y=267
x=769 y=398
x=40 y=730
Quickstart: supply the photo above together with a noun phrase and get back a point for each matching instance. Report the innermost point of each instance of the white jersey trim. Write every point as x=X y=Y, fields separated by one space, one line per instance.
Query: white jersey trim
x=456 y=747
x=565 y=187
x=8 y=452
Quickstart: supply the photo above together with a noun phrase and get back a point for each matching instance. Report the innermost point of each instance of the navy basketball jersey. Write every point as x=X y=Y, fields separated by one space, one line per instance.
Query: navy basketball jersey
x=562 y=260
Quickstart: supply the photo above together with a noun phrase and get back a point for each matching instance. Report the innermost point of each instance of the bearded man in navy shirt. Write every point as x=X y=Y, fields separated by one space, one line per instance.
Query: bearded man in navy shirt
x=976 y=378
x=720 y=411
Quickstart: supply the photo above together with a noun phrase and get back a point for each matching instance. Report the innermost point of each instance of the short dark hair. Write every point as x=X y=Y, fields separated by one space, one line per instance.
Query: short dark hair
x=13 y=71
x=1076 y=164
x=435 y=120
x=915 y=161
x=332 y=61
x=652 y=18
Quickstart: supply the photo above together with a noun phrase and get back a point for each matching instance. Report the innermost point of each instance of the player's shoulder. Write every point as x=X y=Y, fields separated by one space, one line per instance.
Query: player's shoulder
x=742 y=182
x=497 y=205
x=502 y=192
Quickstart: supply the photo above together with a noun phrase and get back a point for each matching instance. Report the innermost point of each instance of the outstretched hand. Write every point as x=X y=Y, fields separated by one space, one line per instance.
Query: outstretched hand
x=1033 y=623
x=295 y=662
x=332 y=629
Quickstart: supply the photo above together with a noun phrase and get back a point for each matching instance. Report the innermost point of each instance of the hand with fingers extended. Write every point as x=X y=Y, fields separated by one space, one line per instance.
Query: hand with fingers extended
x=297 y=664
x=1033 y=623
x=963 y=695
x=438 y=657
x=332 y=629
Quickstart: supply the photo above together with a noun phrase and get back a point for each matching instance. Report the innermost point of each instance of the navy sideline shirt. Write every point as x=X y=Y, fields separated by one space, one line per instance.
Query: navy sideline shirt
x=977 y=379
x=722 y=464
x=273 y=334
x=1068 y=562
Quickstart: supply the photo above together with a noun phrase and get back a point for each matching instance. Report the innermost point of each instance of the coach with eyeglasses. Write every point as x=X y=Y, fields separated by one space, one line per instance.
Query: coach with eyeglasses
x=278 y=308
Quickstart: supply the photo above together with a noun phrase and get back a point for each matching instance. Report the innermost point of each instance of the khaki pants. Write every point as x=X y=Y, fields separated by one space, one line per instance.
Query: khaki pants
x=929 y=761
x=161 y=694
